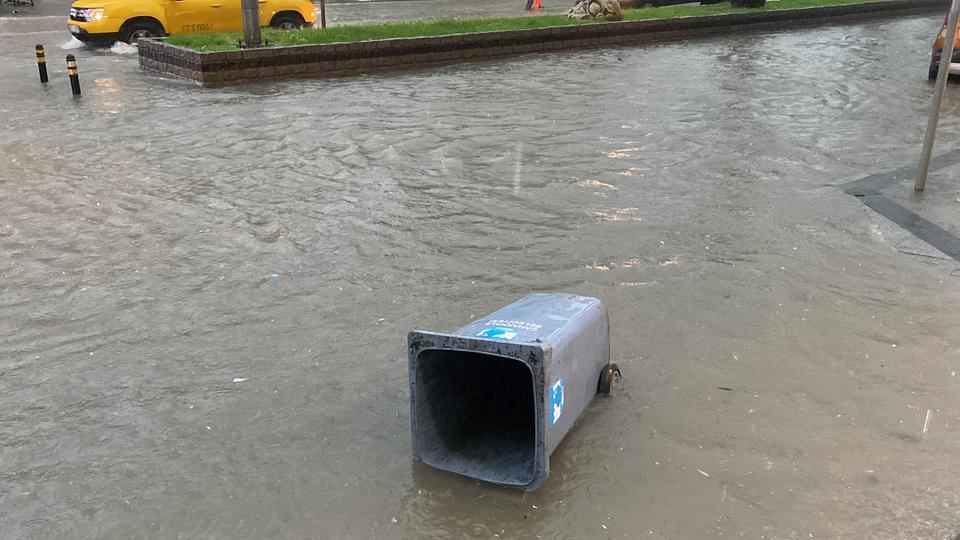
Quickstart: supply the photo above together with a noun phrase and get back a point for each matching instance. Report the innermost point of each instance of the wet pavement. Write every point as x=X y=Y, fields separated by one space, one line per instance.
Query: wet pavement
x=788 y=372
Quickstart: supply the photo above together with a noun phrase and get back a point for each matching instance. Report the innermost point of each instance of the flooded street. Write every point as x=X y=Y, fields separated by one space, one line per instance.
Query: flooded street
x=205 y=294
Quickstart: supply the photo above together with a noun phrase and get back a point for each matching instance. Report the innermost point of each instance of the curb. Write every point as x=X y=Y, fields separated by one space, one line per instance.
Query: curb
x=213 y=69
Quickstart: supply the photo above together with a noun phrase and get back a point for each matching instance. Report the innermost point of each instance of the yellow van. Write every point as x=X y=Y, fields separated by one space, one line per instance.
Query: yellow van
x=102 y=22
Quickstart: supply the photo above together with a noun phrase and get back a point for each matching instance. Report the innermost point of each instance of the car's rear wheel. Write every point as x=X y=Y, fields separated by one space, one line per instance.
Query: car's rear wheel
x=139 y=29
x=287 y=20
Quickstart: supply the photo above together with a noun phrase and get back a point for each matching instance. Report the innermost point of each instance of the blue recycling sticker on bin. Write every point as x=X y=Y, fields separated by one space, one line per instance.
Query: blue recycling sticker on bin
x=498 y=332
x=556 y=401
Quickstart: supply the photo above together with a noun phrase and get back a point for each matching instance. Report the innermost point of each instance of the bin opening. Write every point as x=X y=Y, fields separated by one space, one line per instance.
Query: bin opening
x=476 y=415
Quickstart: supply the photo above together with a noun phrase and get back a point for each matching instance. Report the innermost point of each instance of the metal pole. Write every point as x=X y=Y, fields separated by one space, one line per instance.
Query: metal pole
x=323 y=14
x=945 y=58
x=251 y=22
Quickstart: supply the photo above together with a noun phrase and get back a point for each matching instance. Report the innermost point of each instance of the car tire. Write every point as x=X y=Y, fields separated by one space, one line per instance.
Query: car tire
x=134 y=30
x=287 y=21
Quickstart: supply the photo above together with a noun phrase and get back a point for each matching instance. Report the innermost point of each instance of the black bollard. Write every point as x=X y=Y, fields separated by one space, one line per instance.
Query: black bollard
x=72 y=72
x=42 y=63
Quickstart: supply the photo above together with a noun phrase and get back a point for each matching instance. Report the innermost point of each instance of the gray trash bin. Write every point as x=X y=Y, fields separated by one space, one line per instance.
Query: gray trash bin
x=494 y=399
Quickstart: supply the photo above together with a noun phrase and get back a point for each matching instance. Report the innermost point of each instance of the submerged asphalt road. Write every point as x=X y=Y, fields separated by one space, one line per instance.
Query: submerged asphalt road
x=159 y=241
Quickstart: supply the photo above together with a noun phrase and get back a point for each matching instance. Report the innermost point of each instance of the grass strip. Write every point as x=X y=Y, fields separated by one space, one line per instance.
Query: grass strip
x=227 y=41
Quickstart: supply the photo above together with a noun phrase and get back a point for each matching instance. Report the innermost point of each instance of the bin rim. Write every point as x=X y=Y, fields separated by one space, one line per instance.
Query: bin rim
x=531 y=354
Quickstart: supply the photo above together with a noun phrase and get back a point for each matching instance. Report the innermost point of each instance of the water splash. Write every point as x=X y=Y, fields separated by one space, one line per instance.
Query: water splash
x=74 y=43
x=123 y=48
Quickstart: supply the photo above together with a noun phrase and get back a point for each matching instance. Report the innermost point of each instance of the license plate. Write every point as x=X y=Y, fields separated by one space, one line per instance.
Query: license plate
x=74 y=29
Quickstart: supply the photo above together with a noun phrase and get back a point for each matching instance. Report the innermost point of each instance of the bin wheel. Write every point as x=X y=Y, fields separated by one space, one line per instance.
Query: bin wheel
x=610 y=376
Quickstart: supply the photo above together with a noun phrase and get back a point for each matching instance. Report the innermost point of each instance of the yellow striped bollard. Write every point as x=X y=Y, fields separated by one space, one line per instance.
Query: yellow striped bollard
x=42 y=63
x=72 y=72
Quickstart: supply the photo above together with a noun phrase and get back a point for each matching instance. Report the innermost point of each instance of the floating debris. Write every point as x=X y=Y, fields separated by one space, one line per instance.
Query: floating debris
x=622 y=153
x=596 y=184
x=618 y=214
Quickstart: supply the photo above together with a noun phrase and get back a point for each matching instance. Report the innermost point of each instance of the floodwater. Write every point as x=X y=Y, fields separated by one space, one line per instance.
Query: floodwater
x=204 y=294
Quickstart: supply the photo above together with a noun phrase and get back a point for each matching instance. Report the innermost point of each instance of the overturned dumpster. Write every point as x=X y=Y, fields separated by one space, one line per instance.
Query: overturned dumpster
x=493 y=399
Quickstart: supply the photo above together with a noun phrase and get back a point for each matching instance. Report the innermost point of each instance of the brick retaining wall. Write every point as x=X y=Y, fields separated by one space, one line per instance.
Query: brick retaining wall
x=343 y=59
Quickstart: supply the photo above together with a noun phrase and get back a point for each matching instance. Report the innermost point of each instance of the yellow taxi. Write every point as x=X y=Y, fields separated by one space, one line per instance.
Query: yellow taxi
x=103 y=22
